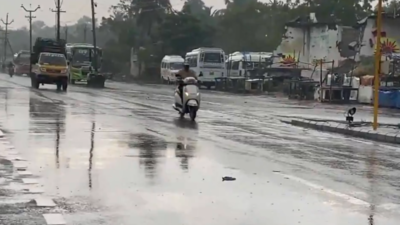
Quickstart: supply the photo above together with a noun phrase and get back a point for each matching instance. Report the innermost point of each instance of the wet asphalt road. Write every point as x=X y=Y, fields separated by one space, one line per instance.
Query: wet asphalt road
x=122 y=156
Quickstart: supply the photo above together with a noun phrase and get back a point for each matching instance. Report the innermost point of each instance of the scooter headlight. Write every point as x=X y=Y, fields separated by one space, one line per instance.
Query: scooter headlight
x=187 y=94
x=198 y=93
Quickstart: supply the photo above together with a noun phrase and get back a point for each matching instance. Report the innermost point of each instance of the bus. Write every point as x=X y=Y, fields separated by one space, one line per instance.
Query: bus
x=81 y=57
x=170 y=65
x=208 y=64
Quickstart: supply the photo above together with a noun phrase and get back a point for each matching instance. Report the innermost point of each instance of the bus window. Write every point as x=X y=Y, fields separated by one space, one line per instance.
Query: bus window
x=195 y=61
x=176 y=66
x=235 y=65
x=212 y=57
x=228 y=65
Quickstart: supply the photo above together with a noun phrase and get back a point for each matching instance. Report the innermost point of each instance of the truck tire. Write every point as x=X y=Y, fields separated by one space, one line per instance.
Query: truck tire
x=34 y=83
x=101 y=82
x=65 y=86
x=59 y=84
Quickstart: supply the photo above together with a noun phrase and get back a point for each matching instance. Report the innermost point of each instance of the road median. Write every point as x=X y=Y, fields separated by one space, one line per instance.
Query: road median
x=383 y=135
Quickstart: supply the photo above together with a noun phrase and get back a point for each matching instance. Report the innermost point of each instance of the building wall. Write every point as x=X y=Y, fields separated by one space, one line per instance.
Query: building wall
x=392 y=29
x=309 y=45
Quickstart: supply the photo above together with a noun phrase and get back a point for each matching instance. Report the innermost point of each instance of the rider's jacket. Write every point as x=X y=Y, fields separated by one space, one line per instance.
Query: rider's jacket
x=185 y=74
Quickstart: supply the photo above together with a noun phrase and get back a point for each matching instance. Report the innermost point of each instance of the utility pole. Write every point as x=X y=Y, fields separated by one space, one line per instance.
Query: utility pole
x=6 y=24
x=30 y=17
x=94 y=36
x=377 y=64
x=66 y=32
x=84 y=33
x=58 y=12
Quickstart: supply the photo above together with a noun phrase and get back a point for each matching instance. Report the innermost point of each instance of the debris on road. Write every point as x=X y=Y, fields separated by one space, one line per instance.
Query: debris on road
x=228 y=178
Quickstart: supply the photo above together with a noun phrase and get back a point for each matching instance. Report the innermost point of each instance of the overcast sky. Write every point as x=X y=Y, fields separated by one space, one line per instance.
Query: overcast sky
x=75 y=9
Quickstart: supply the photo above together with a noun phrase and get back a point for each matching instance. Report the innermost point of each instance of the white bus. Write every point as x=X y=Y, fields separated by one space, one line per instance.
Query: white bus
x=170 y=65
x=238 y=63
x=208 y=64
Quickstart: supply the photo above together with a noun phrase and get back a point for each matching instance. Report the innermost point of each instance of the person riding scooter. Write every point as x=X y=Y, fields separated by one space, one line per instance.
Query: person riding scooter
x=10 y=67
x=185 y=73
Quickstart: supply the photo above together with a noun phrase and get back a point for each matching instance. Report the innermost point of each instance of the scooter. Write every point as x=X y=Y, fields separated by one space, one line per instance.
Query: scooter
x=189 y=103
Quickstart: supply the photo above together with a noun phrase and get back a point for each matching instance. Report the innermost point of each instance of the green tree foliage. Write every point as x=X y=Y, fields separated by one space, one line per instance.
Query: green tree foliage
x=181 y=32
x=158 y=29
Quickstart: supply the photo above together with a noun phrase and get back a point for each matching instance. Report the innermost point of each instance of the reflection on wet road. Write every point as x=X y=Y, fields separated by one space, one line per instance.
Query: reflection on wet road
x=122 y=156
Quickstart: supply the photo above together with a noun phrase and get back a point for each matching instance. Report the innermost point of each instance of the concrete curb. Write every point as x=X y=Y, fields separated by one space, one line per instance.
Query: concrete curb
x=359 y=132
x=20 y=166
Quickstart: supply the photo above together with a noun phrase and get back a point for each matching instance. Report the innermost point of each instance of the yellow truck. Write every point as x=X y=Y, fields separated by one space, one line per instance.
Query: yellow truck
x=51 y=68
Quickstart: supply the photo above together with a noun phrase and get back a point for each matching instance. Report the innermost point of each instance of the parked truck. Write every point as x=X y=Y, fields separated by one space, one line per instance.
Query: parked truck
x=49 y=63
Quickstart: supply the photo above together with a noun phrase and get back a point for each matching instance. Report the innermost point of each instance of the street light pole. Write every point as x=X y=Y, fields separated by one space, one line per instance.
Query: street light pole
x=6 y=23
x=95 y=65
x=377 y=63
x=30 y=17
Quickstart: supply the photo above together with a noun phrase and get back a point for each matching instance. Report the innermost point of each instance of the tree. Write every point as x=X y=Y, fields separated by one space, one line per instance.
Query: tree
x=392 y=6
x=157 y=29
x=182 y=32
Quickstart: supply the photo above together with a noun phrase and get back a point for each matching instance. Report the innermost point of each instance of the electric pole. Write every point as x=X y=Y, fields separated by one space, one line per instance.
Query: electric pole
x=84 y=33
x=58 y=12
x=6 y=24
x=30 y=17
x=66 y=33
x=94 y=37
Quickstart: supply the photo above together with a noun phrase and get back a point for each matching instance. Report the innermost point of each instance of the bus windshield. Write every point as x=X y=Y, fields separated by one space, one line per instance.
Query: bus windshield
x=82 y=55
x=176 y=66
x=212 y=57
x=52 y=59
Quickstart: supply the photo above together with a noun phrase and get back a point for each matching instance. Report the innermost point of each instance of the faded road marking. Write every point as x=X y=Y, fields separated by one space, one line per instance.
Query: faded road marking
x=30 y=181
x=54 y=219
x=45 y=202
x=345 y=197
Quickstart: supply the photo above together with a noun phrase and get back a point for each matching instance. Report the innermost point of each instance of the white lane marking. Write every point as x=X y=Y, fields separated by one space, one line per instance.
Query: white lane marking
x=20 y=165
x=30 y=181
x=25 y=173
x=345 y=197
x=348 y=198
x=45 y=202
x=54 y=219
x=12 y=153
